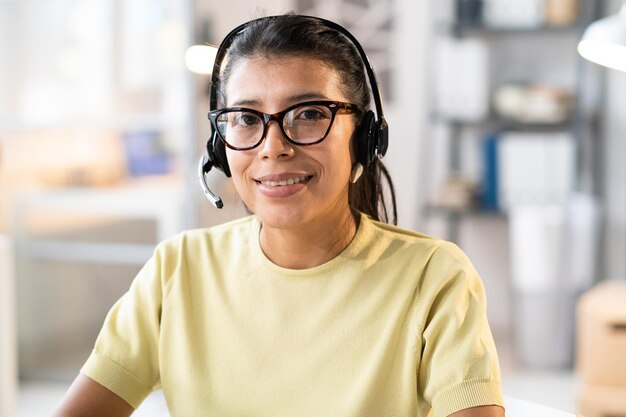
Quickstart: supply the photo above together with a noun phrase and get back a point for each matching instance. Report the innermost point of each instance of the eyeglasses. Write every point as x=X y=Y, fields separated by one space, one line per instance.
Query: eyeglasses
x=302 y=124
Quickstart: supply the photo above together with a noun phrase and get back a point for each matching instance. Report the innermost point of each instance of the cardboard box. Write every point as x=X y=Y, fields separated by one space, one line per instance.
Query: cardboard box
x=601 y=357
x=602 y=401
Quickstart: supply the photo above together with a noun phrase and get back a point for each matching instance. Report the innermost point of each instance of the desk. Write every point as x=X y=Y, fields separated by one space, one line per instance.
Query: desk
x=516 y=407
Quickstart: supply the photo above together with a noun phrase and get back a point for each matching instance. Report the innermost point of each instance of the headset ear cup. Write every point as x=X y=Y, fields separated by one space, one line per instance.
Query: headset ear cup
x=217 y=154
x=365 y=140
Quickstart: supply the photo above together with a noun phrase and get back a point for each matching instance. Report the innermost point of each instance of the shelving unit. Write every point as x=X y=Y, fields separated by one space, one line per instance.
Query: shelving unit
x=534 y=240
x=84 y=76
x=580 y=123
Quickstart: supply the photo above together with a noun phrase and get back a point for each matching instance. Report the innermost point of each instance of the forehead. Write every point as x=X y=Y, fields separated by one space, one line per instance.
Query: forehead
x=281 y=80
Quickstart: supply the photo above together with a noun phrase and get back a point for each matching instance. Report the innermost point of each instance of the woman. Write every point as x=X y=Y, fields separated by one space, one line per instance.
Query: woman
x=311 y=306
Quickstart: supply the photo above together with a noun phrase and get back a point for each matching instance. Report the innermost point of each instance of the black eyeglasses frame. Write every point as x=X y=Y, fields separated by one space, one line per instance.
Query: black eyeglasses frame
x=333 y=106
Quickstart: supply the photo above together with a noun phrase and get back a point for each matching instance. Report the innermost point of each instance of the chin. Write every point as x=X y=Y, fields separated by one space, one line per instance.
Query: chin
x=285 y=217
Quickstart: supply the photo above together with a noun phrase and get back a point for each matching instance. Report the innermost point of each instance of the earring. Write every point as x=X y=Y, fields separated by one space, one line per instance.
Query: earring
x=355 y=174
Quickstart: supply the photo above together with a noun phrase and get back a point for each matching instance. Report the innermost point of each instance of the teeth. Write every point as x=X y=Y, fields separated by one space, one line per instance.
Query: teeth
x=289 y=181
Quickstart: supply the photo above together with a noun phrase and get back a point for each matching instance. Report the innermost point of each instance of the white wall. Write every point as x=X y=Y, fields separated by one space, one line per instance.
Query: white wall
x=614 y=171
x=407 y=114
x=224 y=19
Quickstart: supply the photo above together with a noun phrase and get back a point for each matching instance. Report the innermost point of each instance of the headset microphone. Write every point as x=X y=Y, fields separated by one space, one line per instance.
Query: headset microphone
x=204 y=166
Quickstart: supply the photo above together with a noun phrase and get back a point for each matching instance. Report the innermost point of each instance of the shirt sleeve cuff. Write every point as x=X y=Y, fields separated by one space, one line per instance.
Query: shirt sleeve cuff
x=117 y=379
x=471 y=393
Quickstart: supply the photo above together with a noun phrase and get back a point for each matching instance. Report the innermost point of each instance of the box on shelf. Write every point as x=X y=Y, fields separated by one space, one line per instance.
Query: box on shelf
x=513 y=14
x=561 y=12
x=536 y=168
x=462 y=82
x=602 y=336
x=602 y=401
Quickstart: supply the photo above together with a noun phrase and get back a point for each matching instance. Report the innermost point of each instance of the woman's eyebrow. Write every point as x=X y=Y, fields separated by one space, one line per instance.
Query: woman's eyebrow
x=307 y=96
x=296 y=98
x=245 y=102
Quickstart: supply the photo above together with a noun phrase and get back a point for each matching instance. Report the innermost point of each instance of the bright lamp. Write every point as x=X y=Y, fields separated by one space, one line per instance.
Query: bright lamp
x=604 y=41
x=200 y=58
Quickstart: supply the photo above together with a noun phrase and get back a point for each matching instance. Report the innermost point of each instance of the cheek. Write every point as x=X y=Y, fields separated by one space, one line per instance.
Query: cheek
x=352 y=150
x=340 y=162
x=238 y=162
x=351 y=145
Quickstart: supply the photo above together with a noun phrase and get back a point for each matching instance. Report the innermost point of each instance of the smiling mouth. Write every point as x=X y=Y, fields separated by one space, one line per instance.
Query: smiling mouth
x=289 y=181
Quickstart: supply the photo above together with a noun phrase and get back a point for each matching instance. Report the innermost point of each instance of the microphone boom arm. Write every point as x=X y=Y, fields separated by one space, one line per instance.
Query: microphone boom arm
x=204 y=166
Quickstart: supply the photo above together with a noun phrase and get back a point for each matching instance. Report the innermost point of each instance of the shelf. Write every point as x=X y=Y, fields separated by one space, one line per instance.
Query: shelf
x=458 y=212
x=123 y=122
x=497 y=123
x=158 y=202
x=467 y=29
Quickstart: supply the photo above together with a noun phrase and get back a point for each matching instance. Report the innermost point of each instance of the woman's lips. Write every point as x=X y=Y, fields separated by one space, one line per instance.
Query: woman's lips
x=282 y=186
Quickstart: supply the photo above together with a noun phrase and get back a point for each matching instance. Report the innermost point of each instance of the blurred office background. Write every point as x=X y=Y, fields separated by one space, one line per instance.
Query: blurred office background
x=503 y=139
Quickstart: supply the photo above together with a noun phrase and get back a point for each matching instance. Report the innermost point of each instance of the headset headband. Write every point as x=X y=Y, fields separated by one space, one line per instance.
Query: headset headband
x=232 y=35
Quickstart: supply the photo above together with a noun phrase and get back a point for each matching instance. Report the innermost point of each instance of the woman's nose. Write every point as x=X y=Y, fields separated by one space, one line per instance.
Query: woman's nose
x=275 y=144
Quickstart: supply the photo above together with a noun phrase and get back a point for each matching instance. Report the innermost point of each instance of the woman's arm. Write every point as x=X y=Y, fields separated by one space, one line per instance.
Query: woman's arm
x=483 y=411
x=87 y=398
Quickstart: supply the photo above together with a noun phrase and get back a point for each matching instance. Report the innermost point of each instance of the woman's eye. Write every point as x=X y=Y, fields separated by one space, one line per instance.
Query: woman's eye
x=311 y=114
x=247 y=119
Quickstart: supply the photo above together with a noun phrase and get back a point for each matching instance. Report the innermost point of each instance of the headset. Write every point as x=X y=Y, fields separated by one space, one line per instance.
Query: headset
x=371 y=137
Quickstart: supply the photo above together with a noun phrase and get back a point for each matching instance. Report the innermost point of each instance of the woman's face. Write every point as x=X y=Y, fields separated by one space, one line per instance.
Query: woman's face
x=317 y=176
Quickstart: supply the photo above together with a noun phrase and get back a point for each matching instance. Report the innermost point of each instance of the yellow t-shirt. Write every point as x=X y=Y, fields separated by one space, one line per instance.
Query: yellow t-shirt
x=393 y=326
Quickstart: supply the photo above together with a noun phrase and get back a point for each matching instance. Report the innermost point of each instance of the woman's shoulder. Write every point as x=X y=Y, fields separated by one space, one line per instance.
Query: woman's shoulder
x=435 y=248
x=386 y=231
x=398 y=232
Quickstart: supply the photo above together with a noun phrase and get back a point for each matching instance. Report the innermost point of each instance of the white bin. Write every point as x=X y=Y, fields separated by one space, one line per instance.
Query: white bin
x=553 y=252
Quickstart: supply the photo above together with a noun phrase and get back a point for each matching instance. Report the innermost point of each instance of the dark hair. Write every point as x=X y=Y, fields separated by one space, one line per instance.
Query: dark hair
x=296 y=35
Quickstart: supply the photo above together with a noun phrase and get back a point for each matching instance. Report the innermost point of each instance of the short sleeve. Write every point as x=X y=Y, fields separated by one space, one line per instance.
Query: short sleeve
x=459 y=365
x=125 y=358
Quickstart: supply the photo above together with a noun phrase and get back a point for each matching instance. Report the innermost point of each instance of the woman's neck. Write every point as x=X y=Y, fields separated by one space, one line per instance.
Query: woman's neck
x=309 y=245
